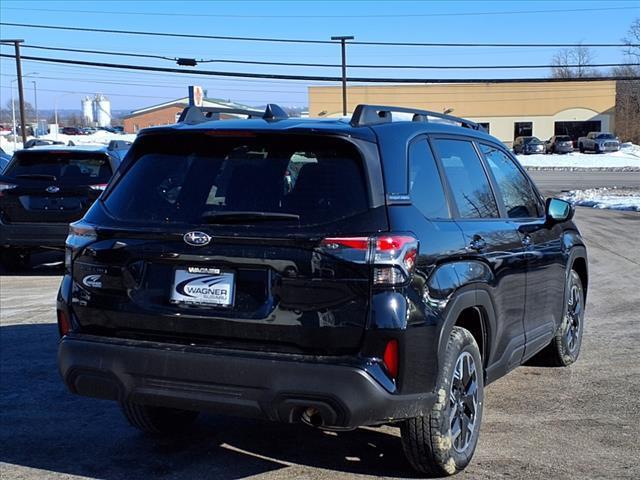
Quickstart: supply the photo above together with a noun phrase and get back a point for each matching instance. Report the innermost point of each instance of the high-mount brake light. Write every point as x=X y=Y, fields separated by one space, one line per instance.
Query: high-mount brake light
x=99 y=186
x=393 y=256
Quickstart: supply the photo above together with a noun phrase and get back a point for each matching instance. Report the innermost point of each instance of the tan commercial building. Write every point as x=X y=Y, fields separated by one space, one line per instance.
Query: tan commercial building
x=506 y=110
x=168 y=113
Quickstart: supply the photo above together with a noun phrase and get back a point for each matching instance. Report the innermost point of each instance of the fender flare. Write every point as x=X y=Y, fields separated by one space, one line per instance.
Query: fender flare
x=469 y=298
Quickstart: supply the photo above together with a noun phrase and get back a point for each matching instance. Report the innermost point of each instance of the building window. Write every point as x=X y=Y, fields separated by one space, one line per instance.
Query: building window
x=486 y=126
x=522 y=129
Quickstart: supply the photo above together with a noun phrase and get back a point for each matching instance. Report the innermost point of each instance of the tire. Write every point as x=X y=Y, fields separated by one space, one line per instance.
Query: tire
x=581 y=148
x=564 y=348
x=14 y=259
x=428 y=441
x=158 y=420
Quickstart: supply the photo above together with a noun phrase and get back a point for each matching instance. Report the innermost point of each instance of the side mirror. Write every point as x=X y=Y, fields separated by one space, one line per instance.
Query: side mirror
x=559 y=210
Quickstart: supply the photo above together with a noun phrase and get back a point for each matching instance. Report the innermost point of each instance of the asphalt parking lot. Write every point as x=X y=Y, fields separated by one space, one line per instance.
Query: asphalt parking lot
x=574 y=423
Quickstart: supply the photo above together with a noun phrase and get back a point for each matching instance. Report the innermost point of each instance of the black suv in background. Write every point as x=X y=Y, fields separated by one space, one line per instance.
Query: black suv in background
x=43 y=189
x=341 y=274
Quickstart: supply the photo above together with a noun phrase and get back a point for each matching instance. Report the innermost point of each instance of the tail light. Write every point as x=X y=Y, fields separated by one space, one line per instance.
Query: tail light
x=390 y=358
x=392 y=256
x=80 y=235
x=99 y=187
x=6 y=186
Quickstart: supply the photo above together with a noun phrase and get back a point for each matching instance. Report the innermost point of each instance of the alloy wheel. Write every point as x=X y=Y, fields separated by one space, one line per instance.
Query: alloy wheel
x=463 y=402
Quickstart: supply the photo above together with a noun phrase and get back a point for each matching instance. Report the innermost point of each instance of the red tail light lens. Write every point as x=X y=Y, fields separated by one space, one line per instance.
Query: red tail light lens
x=390 y=358
x=64 y=325
x=394 y=256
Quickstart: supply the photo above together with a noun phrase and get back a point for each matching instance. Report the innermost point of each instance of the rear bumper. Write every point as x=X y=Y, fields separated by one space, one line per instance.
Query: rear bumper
x=33 y=234
x=274 y=387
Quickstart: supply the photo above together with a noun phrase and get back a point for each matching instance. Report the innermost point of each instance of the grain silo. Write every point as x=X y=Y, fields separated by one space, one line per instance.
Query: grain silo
x=87 y=110
x=102 y=110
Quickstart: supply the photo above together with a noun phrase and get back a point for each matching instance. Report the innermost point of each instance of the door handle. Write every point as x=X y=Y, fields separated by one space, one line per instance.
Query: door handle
x=477 y=243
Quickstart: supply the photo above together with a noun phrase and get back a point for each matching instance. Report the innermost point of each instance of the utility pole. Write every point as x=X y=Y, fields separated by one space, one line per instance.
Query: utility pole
x=343 y=43
x=23 y=127
x=35 y=100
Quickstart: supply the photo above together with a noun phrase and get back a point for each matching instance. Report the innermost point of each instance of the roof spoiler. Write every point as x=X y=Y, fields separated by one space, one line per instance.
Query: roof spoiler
x=193 y=115
x=377 y=114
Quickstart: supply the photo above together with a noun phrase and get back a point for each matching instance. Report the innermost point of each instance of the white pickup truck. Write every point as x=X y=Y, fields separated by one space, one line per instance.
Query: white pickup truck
x=599 y=142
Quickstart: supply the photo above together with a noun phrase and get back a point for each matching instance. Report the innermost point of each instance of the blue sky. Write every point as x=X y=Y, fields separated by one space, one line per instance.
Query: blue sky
x=425 y=21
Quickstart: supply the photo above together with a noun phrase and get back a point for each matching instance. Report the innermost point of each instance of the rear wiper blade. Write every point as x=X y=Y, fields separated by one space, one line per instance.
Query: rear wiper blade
x=239 y=217
x=38 y=176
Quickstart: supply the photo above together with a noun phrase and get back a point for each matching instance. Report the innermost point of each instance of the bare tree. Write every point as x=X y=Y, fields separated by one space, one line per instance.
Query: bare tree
x=627 y=125
x=573 y=63
x=633 y=38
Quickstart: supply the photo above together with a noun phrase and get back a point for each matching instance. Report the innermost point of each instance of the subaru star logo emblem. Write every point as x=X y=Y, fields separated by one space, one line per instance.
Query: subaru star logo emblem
x=53 y=189
x=197 y=239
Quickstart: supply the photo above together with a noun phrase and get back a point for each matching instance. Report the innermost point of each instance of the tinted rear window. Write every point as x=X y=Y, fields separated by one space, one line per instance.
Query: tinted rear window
x=73 y=168
x=187 y=178
x=605 y=136
x=563 y=138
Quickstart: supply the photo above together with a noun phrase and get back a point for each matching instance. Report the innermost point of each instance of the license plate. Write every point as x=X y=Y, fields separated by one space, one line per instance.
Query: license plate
x=203 y=286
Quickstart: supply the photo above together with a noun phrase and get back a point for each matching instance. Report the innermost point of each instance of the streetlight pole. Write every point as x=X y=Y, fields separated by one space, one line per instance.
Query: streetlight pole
x=343 y=43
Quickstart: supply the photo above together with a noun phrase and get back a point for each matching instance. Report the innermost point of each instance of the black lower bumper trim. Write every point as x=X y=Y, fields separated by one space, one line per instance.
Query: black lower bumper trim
x=33 y=234
x=275 y=388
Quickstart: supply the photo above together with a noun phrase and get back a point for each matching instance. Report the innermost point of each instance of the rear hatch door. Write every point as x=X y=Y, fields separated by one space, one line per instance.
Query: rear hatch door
x=220 y=240
x=52 y=186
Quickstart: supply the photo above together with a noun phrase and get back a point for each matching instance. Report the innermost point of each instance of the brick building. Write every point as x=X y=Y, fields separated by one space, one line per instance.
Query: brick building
x=168 y=113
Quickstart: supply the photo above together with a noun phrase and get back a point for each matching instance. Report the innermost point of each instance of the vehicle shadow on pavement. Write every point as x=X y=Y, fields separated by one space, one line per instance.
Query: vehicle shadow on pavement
x=43 y=426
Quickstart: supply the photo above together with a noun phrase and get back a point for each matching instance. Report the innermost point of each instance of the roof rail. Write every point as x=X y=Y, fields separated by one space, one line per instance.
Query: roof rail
x=192 y=115
x=377 y=114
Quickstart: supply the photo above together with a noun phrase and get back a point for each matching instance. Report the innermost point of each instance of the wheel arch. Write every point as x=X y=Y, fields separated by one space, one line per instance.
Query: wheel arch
x=471 y=309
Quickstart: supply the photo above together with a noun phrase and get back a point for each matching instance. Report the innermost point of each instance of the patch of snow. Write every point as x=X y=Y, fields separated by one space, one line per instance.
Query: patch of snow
x=610 y=198
x=101 y=137
x=627 y=158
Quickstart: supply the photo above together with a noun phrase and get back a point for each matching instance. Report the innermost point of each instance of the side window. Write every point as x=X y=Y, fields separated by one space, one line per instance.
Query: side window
x=425 y=187
x=467 y=179
x=519 y=199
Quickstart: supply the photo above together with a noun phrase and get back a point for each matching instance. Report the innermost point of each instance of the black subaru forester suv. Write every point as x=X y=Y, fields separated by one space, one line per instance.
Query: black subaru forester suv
x=340 y=273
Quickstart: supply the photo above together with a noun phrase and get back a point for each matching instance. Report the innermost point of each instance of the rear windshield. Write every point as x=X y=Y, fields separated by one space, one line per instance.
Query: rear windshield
x=73 y=168
x=201 y=178
x=532 y=140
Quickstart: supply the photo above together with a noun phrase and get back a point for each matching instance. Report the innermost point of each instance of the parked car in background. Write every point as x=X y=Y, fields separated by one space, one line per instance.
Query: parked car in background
x=599 y=142
x=340 y=274
x=41 y=142
x=4 y=160
x=527 y=145
x=89 y=130
x=43 y=190
x=559 y=144
x=71 y=131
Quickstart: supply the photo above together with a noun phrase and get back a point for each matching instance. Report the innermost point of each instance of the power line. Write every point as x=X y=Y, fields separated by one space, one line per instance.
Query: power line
x=387 y=15
x=322 y=42
x=332 y=65
x=306 y=77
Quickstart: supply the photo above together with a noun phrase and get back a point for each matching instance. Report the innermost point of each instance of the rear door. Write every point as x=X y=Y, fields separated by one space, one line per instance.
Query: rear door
x=543 y=247
x=49 y=186
x=246 y=240
x=491 y=240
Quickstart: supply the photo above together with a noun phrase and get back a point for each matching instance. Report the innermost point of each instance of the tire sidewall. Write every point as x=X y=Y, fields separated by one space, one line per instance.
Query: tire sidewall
x=568 y=356
x=460 y=341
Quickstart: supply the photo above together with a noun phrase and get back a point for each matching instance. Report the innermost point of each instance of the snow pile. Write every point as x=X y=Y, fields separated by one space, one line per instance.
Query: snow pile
x=101 y=137
x=628 y=159
x=610 y=198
